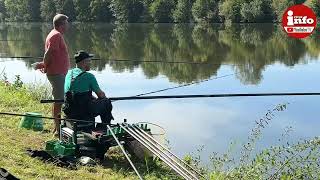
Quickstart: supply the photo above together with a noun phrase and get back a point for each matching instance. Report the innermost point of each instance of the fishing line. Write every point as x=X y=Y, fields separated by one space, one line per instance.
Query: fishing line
x=113 y=60
x=156 y=134
x=127 y=60
x=184 y=85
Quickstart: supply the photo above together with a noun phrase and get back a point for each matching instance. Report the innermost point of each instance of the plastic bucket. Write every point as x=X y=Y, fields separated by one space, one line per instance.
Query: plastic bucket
x=32 y=121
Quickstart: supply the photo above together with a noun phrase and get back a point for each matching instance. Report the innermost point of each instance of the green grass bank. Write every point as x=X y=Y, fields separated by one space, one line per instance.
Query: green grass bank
x=298 y=160
x=16 y=98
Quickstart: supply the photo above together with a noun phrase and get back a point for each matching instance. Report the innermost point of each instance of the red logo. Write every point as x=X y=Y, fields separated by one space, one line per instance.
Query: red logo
x=299 y=21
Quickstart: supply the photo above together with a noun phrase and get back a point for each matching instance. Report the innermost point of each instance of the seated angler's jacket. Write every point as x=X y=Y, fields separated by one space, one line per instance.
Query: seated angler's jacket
x=82 y=105
x=77 y=104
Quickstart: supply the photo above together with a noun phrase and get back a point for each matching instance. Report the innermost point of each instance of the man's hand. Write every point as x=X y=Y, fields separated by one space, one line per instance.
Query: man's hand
x=43 y=70
x=41 y=66
x=101 y=94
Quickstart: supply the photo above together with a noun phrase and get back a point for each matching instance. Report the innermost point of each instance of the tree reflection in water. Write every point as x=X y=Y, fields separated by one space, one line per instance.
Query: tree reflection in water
x=247 y=48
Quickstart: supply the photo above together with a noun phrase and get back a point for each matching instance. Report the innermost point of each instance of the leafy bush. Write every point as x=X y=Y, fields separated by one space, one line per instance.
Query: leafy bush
x=300 y=160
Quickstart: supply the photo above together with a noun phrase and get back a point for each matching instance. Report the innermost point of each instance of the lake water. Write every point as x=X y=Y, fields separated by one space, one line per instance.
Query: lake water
x=239 y=59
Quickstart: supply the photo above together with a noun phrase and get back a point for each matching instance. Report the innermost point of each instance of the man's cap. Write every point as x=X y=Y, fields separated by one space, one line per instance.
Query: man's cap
x=81 y=55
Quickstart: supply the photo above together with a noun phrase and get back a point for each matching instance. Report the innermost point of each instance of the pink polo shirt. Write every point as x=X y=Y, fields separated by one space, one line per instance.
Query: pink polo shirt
x=59 y=59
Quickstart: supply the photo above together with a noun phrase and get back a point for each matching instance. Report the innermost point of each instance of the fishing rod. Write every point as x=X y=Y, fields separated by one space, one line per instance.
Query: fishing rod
x=115 y=60
x=4 y=40
x=197 y=96
x=45 y=117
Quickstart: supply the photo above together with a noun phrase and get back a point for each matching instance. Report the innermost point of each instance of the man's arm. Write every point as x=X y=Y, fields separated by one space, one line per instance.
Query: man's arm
x=53 y=44
x=100 y=94
x=47 y=55
x=46 y=61
x=95 y=87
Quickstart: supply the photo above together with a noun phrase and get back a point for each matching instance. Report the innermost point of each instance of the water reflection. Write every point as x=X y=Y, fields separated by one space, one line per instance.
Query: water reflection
x=248 y=48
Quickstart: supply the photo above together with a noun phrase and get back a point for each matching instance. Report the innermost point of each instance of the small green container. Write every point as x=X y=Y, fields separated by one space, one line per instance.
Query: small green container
x=50 y=145
x=32 y=121
x=65 y=149
x=56 y=147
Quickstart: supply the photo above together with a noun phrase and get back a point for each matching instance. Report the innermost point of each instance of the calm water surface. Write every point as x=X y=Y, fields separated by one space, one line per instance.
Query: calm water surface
x=256 y=58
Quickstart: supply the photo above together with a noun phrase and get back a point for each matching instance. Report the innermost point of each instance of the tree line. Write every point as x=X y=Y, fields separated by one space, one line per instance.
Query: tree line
x=249 y=48
x=157 y=11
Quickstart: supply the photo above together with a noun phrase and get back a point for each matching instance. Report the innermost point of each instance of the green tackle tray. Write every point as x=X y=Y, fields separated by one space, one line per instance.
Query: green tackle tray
x=58 y=148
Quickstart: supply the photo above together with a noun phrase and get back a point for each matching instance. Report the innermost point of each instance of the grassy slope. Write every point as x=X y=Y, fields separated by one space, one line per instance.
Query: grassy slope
x=14 y=142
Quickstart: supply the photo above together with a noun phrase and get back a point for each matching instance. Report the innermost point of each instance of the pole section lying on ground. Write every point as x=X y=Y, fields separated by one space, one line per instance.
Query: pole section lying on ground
x=124 y=152
x=163 y=156
x=166 y=149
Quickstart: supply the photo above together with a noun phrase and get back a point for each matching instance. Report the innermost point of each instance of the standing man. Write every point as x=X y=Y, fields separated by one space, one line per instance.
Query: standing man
x=56 y=63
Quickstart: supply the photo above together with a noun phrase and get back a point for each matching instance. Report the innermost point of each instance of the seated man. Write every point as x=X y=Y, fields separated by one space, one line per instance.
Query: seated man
x=78 y=87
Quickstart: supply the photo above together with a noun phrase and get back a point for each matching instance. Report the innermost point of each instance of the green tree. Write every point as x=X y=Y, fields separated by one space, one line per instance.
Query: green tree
x=22 y=10
x=83 y=11
x=257 y=11
x=230 y=10
x=299 y=1
x=66 y=7
x=279 y=6
x=2 y=11
x=34 y=7
x=47 y=9
x=162 y=10
x=206 y=10
x=315 y=5
x=146 y=15
x=182 y=13
x=127 y=10
x=100 y=10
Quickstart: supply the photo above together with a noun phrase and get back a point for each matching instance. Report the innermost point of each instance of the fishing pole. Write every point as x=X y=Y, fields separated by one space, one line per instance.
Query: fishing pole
x=198 y=96
x=44 y=117
x=124 y=152
x=4 y=40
